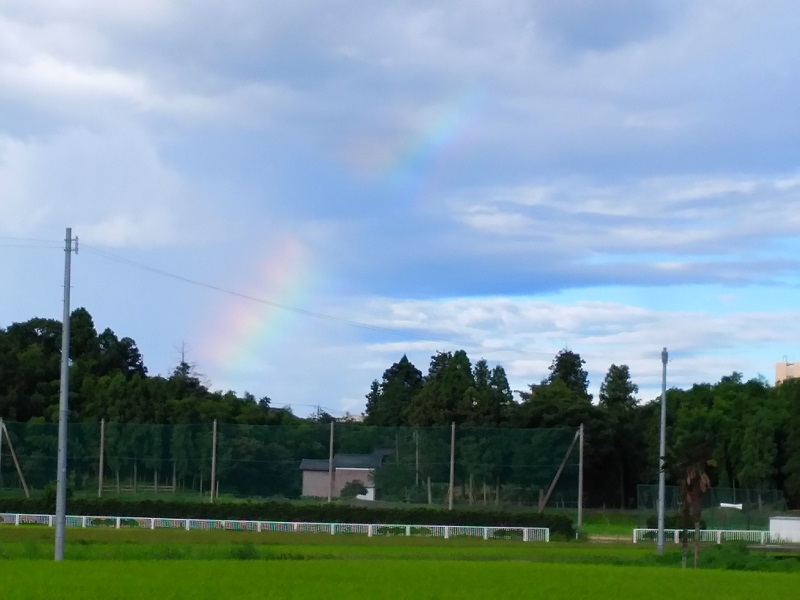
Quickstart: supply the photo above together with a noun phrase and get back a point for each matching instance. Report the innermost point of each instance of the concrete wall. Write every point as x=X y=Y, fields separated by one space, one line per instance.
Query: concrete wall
x=316 y=483
x=787 y=528
x=786 y=370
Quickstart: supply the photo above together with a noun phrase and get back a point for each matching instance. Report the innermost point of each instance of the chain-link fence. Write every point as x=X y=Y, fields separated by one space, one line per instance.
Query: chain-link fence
x=311 y=460
x=723 y=508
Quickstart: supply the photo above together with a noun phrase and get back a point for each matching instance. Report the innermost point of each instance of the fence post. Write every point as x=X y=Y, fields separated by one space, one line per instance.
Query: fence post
x=213 y=458
x=369 y=530
x=763 y=537
x=16 y=519
x=330 y=466
x=446 y=531
x=486 y=533
x=119 y=522
x=188 y=526
x=83 y=521
x=452 y=464
x=408 y=530
x=677 y=535
x=152 y=523
x=719 y=537
x=526 y=537
x=634 y=536
x=100 y=466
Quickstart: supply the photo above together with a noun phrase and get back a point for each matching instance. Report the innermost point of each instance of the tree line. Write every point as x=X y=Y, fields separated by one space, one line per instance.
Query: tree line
x=746 y=432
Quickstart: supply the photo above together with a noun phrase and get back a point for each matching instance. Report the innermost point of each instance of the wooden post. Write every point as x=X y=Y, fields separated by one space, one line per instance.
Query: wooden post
x=100 y=466
x=330 y=466
x=544 y=500
x=416 y=457
x=213 y=458
x=16 y=462
x=452 y=464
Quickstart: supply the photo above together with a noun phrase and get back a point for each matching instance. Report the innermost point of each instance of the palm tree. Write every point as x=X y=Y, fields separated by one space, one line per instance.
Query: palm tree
x=695 y=482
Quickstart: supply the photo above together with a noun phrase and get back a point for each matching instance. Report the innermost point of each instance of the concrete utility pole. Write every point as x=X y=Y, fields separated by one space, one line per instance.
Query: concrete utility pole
x=63 y=404
x=580 y=481
x=662 y=450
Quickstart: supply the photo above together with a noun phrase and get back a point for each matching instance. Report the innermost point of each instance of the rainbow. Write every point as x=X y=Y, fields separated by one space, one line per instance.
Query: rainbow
x=250 y=328
x=436 y=141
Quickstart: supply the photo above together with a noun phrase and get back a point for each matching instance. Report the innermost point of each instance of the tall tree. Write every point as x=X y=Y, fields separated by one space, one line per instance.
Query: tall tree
x=567 y=367
x=618 y=400
x=445 y=395
x=759 y=451
x=388 y=402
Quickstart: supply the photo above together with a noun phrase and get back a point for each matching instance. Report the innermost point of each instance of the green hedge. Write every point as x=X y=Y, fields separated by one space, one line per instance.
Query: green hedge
x=287 y=511
x=672 y=521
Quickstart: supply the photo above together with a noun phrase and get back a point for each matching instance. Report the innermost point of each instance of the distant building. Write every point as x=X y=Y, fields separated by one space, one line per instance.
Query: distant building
x=346 y=468
x=786 y=370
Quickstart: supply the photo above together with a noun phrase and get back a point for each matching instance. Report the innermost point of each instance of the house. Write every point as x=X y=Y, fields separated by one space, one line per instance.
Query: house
x=346 y=468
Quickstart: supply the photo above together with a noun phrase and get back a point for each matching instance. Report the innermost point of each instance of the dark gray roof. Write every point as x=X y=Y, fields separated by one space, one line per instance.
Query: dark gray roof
x=344 y=461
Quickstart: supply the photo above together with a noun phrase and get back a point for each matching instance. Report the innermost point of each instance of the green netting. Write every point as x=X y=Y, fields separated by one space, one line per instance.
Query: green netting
x=491 y=467
x=756 y=506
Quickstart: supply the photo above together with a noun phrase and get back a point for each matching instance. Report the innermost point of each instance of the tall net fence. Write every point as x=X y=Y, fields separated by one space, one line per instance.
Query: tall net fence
x=723 y=507
x=491 y=467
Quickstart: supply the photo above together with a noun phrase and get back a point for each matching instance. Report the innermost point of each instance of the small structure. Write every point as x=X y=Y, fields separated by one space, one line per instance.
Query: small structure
x=785 y=529
x=346 y=468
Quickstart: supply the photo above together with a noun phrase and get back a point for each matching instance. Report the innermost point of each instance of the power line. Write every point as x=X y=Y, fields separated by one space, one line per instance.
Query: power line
x=297 y=310
x=27 y=239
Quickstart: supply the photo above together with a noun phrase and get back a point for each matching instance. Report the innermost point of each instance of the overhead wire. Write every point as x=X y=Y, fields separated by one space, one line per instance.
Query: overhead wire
x=404 y=333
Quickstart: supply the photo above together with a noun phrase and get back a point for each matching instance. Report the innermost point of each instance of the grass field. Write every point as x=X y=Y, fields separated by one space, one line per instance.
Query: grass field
x=170 y=563
x=380 y=580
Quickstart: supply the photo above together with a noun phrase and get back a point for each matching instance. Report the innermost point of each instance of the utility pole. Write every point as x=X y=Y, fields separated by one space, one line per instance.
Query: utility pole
x=580 y=480
x=63 y=404
x=662 y=450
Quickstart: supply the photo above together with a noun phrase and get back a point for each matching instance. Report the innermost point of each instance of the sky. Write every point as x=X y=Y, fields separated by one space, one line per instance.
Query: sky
x=298 y=193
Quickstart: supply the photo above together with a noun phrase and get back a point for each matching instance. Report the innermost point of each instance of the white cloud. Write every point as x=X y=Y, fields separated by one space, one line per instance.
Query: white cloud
x=683 y=216
x=525 y=334
x=113 y=188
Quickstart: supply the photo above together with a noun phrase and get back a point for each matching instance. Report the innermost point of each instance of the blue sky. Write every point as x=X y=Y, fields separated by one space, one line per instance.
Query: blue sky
x=507 y=177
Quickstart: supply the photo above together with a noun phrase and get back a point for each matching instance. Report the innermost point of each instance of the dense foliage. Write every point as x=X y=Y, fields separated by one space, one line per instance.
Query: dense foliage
x=293 y=511
x=749 y=429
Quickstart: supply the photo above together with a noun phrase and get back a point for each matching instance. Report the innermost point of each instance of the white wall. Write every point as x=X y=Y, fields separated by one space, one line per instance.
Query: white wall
x=786 y=528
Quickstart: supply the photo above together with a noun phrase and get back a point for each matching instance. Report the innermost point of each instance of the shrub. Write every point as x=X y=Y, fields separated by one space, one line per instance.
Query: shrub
x=352 y=489
x=296 y=511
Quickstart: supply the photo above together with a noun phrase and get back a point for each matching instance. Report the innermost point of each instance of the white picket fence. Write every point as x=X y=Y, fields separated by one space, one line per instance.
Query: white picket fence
x=707 y=535
x=526 y=534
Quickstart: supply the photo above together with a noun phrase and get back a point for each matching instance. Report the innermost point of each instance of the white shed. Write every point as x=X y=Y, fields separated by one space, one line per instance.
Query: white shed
x=786 y=529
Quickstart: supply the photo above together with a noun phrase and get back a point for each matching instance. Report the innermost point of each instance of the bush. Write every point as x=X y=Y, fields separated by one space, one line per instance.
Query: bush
x=288 y=511
x=673 y=521
x=352 y=489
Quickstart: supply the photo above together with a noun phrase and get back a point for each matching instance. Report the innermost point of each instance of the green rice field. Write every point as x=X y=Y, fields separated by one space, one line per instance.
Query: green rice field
x=226 y=564
x=396 y=579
